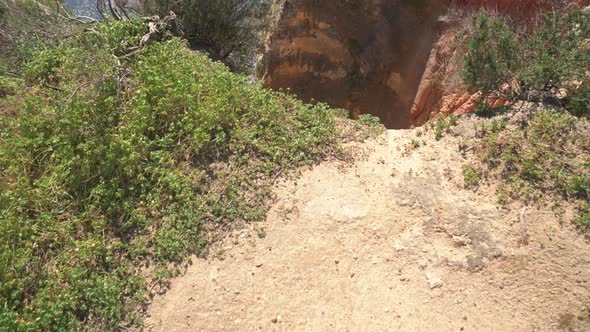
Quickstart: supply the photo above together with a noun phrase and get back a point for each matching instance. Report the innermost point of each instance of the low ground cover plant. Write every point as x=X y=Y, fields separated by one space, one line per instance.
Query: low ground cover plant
x=114 y=158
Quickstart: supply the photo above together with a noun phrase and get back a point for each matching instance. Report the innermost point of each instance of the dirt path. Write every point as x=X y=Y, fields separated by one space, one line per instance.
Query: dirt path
x=391 y=242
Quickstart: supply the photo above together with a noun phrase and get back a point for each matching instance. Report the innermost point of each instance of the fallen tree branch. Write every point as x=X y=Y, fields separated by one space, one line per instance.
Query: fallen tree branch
x=154 y=27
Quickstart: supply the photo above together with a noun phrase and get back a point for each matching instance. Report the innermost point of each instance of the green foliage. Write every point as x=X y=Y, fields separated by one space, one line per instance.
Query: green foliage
x=492 y=53
x=583 y=218
x=24 y=23
x=9 y=85
x=231 y=31
x=546 y=159
x=531 y=63
x=442 y=125
x=470 y=176
x=261 y=233
x=371 y=124
x=554 y=51
x=111 y=166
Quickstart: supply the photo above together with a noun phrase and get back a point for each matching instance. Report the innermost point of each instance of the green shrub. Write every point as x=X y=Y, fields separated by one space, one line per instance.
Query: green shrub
x=231 y=31
x=546 y=159
x=24 y=23
x=583 y=217
x=530 y=63
x=492 y=53
x=441 y=125
x=471 y=177
x=112 y=165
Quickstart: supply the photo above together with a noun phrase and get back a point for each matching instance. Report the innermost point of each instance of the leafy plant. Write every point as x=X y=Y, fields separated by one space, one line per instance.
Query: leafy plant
x=545 y=159
x=492 y=56
x=111 y=165
x=24 y=23
x=231 y=31
x=471 y=177
x=442 y=125
x=546 y=61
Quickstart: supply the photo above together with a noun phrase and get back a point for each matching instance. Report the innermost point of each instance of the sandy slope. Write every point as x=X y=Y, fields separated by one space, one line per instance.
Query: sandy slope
x=389 y=242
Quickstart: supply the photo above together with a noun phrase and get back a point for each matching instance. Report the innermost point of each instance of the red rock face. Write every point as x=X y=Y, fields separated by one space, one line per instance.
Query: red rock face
x=391 y=58
x=439 y=91
x=366 y=55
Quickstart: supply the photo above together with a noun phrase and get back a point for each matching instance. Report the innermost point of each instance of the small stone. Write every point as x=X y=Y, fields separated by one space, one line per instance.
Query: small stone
x=237 y=292
x=433 y=281
x=562 y=93
x=423 y=264
x=276 y=319
x=336 y=262
x=461 y=241
x=259 y=264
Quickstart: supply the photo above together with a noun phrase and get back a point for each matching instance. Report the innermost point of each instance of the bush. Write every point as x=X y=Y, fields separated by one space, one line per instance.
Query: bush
x=470 y=176
x=112 y=166
x=531 y=63
x=228 y=30
x=23 y=23
x=545 y=158
x=492 y=57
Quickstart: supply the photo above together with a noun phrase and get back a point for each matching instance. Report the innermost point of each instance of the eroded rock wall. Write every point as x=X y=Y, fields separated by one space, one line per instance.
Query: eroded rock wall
x=367 y=56
x=395 y=59
x=440 y=90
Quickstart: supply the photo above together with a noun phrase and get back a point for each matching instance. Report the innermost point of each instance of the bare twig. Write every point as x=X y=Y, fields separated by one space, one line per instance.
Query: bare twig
x=154 y=27
x=52 y=87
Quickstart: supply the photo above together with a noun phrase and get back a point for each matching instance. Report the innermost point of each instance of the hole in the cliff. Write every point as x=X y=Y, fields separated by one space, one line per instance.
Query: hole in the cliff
x=364 y=56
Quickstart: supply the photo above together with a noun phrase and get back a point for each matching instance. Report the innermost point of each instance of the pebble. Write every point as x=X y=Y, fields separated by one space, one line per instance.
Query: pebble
x=433 y=281
x=423 y=264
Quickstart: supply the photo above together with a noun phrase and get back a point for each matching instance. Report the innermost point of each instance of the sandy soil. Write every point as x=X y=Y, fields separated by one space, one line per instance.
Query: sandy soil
x=390 y=242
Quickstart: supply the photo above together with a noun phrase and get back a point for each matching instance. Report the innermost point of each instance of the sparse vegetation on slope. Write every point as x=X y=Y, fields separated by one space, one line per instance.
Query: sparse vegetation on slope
x=112 y=165
x=545 y=158
x=542 y=159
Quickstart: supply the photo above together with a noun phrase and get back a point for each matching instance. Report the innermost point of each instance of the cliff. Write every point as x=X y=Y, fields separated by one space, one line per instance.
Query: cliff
x=393 y=59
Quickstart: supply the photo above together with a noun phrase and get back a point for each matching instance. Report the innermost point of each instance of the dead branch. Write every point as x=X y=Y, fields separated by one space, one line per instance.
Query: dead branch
x=154 y=27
